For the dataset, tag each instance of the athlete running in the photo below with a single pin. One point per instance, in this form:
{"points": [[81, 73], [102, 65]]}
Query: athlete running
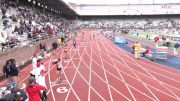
{"points": [[59, 70], [74, 43], [65, 51], [82, 37]]}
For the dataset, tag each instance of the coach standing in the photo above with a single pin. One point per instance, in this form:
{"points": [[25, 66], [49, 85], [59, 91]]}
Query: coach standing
{"points": [[34, 89], [14, 71], [176, 46], [137, 49]]}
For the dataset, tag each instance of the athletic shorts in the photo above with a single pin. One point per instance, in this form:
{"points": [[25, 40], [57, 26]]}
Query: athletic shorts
{"points": [[58, 69]]}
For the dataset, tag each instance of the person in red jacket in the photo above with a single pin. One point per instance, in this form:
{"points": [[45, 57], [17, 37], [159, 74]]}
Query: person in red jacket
{"points": [[33, 90], [156, 39], [146, 51]]}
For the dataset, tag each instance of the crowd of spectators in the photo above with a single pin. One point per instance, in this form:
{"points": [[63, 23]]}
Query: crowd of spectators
{"points": [[23, 23]]}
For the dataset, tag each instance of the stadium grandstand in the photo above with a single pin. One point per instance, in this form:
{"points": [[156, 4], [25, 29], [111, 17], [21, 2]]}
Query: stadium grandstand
{"points": [[89, 50]]}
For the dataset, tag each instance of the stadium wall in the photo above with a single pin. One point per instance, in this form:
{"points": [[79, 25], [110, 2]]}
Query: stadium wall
{"points": [[140, 9]]}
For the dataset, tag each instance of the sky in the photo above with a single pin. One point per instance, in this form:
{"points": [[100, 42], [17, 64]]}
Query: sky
{"points": [[121, 1]]}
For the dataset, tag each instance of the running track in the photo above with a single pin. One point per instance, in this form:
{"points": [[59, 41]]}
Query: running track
{"points": [[97, 70]]}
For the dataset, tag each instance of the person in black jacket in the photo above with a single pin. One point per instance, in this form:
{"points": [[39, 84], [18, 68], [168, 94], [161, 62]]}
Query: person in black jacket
{"points": [[14, 71], [54, 46], [62, 40], [6, 69], [176, 46]]}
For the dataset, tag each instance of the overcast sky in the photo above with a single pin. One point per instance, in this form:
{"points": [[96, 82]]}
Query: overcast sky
{"points": [[121, 1]]}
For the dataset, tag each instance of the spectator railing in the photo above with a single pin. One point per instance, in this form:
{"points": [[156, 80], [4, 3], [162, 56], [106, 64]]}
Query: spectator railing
{"points": [[24, 53], [30, 41]]}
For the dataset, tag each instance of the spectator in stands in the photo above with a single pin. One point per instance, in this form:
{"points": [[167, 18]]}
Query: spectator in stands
{"points": [[176, 46], [146, 51], [16, 94], [137, 49], [43, 48], [58, 41], [3, 40], [34, 89], [62, 40]]}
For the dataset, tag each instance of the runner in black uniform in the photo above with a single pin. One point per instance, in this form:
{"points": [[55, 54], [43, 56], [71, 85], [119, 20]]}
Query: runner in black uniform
{"points": [[74, 43]]}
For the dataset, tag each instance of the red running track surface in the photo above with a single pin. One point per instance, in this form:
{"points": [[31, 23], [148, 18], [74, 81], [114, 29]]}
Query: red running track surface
{"points": [[98, 70]]}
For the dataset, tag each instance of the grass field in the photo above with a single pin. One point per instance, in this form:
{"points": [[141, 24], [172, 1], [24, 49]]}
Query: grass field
{"points": [[142, 37]]}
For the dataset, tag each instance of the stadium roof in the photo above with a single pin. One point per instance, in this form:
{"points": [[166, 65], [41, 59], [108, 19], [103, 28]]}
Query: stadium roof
{"points": [[109, 2]]}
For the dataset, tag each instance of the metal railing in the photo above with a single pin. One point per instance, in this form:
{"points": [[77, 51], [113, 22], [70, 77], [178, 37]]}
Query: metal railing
{"points": [[23, 54]]}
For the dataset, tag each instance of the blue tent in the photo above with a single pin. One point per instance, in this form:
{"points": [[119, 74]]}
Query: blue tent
{"points": [[120, 40]]}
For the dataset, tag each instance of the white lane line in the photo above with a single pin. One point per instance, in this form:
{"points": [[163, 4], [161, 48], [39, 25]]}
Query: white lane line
{"points": [[86, 80], [154, 78], [104, 81], [25, 69], [64, 73], [144, 75], [158, 68], [129, 85], [132, 71], [118, 79], [97, 63], [50, 90], [71, 88], [154, 62], [50, 81], [52, 86], [49, 76], [118, 72], [104, 70], [89, 93], [30, 65], [66, 66], [147, 69], [135, 74], [88, 83]]}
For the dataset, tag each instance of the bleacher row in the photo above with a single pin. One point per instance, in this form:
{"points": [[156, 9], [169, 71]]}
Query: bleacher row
{"points": [[22, 23]]}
